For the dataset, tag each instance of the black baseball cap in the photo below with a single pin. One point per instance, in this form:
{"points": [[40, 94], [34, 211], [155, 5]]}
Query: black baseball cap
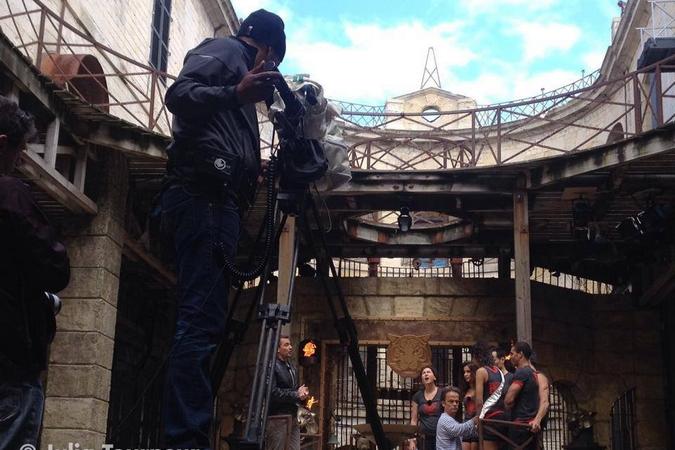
{"points": [[267, 28]]}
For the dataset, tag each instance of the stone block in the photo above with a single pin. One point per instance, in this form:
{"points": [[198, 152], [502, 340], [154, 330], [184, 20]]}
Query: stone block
{"points": [[87, 315], [71, 347], [359, 286], [357, 306], [407, 286], [78, 381], [464, 307], [92, 283], [76, 413], [380, 306], [60, 438], [438, 307], [408, 306], [476, 287], [95, 251]]}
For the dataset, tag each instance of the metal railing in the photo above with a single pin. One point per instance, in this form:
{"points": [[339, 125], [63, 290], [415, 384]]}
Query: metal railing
{"points": [[126, 88], [470, 268], [579, 116], [587, 113]]}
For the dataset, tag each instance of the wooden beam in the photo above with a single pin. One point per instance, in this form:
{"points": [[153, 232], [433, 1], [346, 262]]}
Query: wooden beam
{"points": [[81, 168], [521, 245], [52, 142], [554, 170], [54, 184], [135, 249]]}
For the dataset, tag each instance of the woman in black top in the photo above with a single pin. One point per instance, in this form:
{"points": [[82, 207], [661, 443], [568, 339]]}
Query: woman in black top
{"points": [[426, 408]]}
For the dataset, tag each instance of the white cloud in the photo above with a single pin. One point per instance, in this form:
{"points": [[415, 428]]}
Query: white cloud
{"points": [[593, 60], [512, 84], [539, 39], [377, 61]]}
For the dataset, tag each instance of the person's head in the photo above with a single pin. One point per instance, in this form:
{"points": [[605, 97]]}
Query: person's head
{"points": [[428, 375], [498, 357], [469, 369], [452, 397], [521, 353], [481, 354], [265, 31], [285, 349], [16, 127]]}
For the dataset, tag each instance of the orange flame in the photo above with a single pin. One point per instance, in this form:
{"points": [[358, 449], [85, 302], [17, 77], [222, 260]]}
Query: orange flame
{"points": [[309, 349], [311, 402]]}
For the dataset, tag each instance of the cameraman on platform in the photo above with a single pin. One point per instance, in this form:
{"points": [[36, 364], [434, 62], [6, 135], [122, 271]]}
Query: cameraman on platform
{"points": [[214, 162], [32, 261]]}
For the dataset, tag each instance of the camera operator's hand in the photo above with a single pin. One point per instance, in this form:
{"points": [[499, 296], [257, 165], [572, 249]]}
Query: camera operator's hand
{"points": [[256, 85]]}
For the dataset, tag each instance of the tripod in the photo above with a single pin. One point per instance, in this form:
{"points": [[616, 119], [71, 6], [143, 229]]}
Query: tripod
{"points": [[294, 207]]}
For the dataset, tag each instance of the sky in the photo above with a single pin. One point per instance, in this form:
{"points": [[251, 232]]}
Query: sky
{"points": [[366, 51]]}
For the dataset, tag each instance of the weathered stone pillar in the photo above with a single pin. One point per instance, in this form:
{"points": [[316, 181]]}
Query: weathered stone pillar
{"points": [[81, 357]]}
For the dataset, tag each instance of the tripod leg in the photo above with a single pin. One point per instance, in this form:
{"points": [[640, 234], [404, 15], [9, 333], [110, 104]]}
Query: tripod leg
{"points": [[347, 332], [273, 316]]}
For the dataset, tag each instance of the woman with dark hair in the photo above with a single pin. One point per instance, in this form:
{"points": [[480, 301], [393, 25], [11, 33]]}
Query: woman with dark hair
{"points": [[426, 408], [469, 369]]}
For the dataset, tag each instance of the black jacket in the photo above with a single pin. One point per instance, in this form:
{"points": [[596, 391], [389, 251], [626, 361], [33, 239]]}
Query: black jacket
{"points": [[208, 120], [32, 261], [285, 385]]}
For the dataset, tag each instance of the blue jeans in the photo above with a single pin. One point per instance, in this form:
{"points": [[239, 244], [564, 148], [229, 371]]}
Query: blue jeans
{"points": [[198, 223], [21, 405]]}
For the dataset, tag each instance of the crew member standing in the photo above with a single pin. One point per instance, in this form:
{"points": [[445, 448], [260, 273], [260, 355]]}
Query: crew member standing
{"points": [[214, 161]]}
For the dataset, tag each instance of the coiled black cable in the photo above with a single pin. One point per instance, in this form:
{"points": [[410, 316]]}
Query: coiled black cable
{"points": [[258, 268]]}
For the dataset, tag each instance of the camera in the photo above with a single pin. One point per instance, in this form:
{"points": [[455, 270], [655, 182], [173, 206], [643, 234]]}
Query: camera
{"points": [[54, 302]]}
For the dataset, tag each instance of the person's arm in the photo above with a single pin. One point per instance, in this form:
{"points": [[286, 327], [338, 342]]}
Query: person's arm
{"points": [[204, 85], [514, 390], [453, 429], [544, 404], [481, 378], [413, 413], [39, 252]]}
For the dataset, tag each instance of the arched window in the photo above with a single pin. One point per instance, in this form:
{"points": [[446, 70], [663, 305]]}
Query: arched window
{"points": [[561, 407]]}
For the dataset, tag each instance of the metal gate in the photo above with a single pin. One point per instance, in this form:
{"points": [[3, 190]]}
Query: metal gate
{"points": [[393, 392]]}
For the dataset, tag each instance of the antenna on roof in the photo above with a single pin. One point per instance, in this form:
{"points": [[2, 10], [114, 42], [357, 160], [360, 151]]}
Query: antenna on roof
{"points": [[430, 70]]}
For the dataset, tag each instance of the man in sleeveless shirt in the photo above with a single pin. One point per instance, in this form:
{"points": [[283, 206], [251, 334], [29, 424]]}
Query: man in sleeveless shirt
{"points": [[522, 398]]}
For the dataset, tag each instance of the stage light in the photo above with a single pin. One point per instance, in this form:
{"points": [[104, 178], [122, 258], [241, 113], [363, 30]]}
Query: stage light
{"points": [[404, 220]]}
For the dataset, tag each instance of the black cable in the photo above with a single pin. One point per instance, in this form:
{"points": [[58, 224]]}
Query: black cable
{"points": [[259, 267]]}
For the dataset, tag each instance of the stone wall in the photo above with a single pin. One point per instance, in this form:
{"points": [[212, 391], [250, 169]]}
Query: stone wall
{"points": [[80, 362], [598, 345]]}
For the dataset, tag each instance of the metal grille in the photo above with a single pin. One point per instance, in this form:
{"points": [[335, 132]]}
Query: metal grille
{"points": [[623, 422], [556, 435], [159, 42], [393, 392]]}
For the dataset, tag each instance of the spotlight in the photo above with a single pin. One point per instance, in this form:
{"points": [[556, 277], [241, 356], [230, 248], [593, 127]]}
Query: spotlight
{"points": [[404, 220]]}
